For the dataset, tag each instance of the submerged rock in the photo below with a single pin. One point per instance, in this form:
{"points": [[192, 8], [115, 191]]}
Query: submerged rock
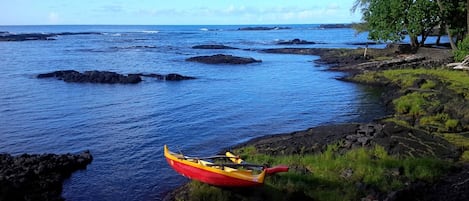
{"points": [[38, 177], [215, 47], [223, 59]]}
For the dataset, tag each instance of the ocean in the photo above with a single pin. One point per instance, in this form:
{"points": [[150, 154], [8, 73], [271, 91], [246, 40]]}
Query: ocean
{"points": [[126, 126]]}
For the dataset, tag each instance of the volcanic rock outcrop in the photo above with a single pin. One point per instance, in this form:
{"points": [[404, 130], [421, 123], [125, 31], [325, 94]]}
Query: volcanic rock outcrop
{"points": [[223, 59]]}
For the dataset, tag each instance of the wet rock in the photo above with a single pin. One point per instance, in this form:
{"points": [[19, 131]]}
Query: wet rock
{"points": [[26, 37], [78, 33], [6, 36], [216, 47], [295, 41], [222, 59], [104, 77], [38, 177], [109, 77], [168, 77], [363, 140]]}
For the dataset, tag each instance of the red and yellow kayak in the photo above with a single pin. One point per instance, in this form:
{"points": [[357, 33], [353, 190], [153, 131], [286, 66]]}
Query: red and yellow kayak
{"points": [[230, 175]]}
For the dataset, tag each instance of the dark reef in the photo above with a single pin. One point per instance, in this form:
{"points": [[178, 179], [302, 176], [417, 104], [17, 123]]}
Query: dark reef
{"points": [[37, 177], [295, 41], [107, 77], [223, 59], [6, 36], [93, 77], [214, 47]]}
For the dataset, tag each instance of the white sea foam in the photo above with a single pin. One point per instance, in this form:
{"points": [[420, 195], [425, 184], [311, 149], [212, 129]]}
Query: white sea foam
{"points": [[150, 31]]}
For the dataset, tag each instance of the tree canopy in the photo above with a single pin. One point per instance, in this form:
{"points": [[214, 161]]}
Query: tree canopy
{"points": [[392, 20]]}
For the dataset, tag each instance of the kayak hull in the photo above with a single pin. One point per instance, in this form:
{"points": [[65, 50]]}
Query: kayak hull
{"points": [[205, 172]]}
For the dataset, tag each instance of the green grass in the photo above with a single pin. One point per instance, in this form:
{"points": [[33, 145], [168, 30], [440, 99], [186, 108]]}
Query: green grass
{"points": [[412, 104], [350, 176], [442, 121], [465, 156], [460, 141], [405, 78], [432, 99], [457, 81], [322, 176]]}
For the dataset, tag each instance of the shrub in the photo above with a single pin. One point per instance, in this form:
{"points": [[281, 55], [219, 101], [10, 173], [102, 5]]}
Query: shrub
{"points": [[463, 50]]}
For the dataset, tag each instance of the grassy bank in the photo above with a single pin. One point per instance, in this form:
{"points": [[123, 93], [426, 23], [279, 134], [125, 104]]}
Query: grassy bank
{"points": [[328, 176], [431, 101], [434, 100]]}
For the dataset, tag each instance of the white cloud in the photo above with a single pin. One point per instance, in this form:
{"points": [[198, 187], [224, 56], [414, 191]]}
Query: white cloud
{"points": [[53, 18], [307, 14], [233, 13], [333, 6]]}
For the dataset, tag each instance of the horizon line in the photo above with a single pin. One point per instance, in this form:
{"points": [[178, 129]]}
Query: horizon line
{"points": [[271, 24]]}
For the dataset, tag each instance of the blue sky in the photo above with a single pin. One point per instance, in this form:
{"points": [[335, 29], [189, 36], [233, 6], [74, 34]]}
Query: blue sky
{"points": [[175, 12]]}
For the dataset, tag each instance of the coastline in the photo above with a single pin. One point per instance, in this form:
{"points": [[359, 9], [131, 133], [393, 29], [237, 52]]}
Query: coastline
{"points": [[374, 131], [379, 132]]}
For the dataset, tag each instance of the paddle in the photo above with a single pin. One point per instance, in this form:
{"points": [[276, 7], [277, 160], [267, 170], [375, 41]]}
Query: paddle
{"points": [[268, 170], [207, 157], [236, 165]]}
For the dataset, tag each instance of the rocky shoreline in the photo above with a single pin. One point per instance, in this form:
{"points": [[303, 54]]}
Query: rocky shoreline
{"points": [[43, 174], [396, 139], [39, 176]]}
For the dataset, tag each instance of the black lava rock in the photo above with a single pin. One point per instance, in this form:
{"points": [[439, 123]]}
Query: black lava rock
{"points": [[222, 59], [38, 177], [295, 41], [215, 47], [93, 77]]}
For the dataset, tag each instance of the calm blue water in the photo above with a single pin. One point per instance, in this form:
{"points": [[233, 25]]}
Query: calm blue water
{"points": [[126, 126]]}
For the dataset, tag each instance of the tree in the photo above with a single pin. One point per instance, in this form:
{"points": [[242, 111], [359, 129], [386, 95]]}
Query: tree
{"points": [[454, 17], [422, 18], [444, 24], [391, 20], [363, 4]]}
